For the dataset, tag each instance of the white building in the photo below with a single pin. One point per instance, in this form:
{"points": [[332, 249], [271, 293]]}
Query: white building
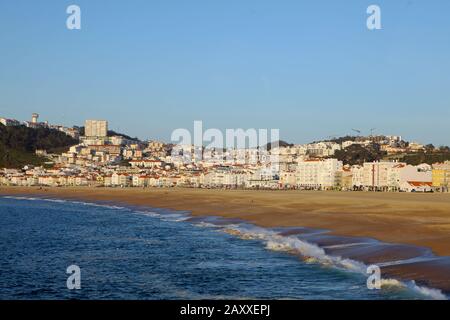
{"points": [[96, 128], [319, 173], [146, 163], [376, 174], [9, 122], [416, 186], [401, 176], [121, 179], [357, 176], [288, 179], [140, 180], [322, 149]]}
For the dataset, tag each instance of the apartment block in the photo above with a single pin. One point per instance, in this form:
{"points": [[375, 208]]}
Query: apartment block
{"points": [[96, 128], [441, 176], [376, 174], [319, 173]]}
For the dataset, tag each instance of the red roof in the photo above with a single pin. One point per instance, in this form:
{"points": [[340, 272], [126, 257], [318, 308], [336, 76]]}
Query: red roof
{"points": [[420, 183]]}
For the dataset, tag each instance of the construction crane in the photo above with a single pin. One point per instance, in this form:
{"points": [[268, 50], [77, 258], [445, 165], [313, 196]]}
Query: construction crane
{"points": [[333, 136], [357, 131], [371, 131]]}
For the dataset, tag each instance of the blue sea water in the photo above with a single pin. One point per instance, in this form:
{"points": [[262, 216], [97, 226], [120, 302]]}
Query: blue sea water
{"points": [[145, 253]]}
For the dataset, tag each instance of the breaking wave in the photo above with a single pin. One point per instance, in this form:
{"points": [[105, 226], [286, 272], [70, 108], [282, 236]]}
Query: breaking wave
{"points": [[311, 253]]}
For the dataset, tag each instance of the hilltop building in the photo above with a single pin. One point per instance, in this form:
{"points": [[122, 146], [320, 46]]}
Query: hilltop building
{"points": [[34, 123], [9, 122], [96, 128]]}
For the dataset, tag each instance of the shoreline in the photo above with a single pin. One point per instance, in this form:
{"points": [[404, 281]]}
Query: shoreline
{"points": [[408, 218], [401, 217]]}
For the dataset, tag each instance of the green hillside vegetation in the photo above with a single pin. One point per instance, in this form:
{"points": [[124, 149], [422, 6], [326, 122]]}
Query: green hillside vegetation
{"points": [[426, 157], [357, 154], [10, 158], [341, 139], [281, 143], [18, 145]]}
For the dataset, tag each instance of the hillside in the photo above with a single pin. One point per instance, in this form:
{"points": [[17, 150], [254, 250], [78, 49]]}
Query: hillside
{"points": [[357, 154], [423, 157], [281, 143], [111, 133], [18, 145]]}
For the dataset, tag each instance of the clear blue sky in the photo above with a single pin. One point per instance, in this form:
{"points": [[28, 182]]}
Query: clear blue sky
{"points": [[309, 68]]}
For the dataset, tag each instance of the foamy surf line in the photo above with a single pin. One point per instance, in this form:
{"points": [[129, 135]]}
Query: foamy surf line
{"points": [[311, 253]]}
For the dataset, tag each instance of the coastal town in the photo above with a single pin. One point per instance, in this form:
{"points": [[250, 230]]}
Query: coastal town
{"points": [[104, 160]]}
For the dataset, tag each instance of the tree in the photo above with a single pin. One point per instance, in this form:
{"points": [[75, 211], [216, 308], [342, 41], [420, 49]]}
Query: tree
{"points": [[358, 154], [429, 148], [19, 143]]}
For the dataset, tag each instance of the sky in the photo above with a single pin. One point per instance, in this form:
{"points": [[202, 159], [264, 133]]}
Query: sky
{"points": [[311, 69]]}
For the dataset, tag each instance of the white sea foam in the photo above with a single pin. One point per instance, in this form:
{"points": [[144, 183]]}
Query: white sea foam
{"points": [[347, 245], [204, 224], [20, 198], [180, 219], [92, 204], [429, 292], [148, 213], [66, 201], [54, 200], [312, 253], [292, 244], [406, 261], [173, 217]]}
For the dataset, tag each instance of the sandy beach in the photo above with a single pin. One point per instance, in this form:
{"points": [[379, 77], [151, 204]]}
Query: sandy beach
{"points": [[418, 219], [403, 218]]}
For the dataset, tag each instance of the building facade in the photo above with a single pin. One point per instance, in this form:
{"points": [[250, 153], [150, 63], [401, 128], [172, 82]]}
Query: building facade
{"points": [[96, 128], [319, 173], [441, 176]]}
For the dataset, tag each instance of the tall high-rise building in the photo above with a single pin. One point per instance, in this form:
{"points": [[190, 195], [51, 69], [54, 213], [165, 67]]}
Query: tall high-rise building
{"points": [[96, 128]]}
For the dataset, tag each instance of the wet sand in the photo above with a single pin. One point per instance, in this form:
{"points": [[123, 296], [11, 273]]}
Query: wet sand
{"points": [[410, 226], [418, 219]]}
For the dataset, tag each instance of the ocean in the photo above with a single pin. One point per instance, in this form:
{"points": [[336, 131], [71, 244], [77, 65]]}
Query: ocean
{"points": [[127, 252]]}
